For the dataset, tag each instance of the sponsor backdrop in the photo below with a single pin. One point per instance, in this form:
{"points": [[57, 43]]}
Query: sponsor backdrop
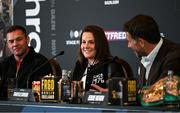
{"points": [[55, 25]]}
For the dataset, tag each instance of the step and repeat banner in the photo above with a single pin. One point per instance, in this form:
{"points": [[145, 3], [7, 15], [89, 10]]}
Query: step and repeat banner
{"points": [[55, 25]]}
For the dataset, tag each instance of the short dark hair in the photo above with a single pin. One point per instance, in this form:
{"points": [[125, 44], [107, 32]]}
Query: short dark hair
{"points": [[143, 26], [101, 43], [16, 27]]}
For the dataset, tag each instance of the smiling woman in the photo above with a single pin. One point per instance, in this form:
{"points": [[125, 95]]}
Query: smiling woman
{"points": [[95, 60]]}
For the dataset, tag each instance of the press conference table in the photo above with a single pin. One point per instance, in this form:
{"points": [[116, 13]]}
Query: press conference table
{"points": [[19, 106]]}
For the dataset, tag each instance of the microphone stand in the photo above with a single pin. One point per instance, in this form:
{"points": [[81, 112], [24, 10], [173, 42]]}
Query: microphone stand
{"points": [[27, 83]]}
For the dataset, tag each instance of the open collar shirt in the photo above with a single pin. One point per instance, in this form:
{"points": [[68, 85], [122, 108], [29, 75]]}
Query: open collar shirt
{"points": [[147, 61]]}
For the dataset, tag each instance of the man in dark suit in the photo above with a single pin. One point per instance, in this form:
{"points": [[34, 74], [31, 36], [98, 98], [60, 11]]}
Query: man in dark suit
{"points": [[157, 55]]}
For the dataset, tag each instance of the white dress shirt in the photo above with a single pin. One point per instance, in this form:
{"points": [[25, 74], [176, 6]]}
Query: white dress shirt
{"points": [[148, 60]]}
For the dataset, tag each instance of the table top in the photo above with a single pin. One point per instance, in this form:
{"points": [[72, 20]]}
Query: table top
{"points": [[41, 106]]}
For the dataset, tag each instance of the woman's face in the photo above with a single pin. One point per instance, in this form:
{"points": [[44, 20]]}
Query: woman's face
{"points": [[88, 46]]}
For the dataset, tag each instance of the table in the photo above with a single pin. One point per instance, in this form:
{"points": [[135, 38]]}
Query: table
{"points": [[22, 107]]}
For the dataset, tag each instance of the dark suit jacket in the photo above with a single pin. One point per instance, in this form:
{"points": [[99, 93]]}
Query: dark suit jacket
{"points": [[168, 58]]}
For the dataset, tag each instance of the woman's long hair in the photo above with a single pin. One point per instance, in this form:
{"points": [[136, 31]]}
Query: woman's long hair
{"points": [[101, 44]]}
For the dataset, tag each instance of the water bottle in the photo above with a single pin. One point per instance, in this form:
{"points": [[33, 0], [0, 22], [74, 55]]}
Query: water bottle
{"points": [[65, 91], [121, 93]]}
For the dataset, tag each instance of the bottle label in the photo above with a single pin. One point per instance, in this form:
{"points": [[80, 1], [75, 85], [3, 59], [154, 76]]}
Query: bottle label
{"points": [[65, 92]]}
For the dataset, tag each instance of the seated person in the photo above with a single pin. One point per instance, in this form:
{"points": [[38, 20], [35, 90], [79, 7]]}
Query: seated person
{"points": [[96, 64], [23, 64], [157, 54]]}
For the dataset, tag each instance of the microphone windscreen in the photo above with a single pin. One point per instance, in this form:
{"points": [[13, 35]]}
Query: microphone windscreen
{"points": [[61, 53]]}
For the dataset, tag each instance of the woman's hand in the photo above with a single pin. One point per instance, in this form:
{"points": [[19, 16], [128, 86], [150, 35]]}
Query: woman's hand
{"points": [[98, 88]]}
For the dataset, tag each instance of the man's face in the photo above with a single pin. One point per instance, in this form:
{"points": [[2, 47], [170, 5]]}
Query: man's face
{"points": [[135, 45], [17, 43]]}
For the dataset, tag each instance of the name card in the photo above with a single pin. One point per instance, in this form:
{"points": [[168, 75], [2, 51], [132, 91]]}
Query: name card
{"points": [[91, 97], [97, 98], [21, 95]]}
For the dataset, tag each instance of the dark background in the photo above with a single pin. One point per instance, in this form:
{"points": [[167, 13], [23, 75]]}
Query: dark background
{"points": [[63, 20]]}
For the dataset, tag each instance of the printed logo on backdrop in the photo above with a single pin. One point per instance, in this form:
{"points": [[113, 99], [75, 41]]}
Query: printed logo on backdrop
{"points": [[74, 36], [115, 35], [111, 2], [119, 35], [53, 27], [33, 20]]}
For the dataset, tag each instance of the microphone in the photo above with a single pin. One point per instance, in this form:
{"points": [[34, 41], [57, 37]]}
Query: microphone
{"points": [[27, 82], [61, 53]]}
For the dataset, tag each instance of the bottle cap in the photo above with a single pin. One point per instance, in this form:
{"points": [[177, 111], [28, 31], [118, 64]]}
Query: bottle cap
{"points": [[170, 72]]}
